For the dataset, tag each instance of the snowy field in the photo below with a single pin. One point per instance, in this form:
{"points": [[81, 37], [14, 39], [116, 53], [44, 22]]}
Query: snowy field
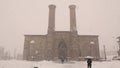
{"points": [[56, 64]]}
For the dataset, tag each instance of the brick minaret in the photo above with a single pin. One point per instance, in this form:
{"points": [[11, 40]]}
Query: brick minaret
{"points": [[50, 36], [51, 24], [73, 19], [73, 30]]}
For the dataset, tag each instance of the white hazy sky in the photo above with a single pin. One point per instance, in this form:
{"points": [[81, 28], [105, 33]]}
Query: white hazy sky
{"points": [[94, 17]]}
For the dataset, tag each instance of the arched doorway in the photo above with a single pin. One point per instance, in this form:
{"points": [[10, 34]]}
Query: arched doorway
{"points": [[62, 50]]}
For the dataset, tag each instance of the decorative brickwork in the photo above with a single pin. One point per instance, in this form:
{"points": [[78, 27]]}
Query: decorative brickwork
{"points": [[57, 44]]}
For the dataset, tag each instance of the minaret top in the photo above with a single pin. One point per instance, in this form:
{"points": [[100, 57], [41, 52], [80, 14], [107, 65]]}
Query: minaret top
{"points": [[72, 6], [52, 6]]}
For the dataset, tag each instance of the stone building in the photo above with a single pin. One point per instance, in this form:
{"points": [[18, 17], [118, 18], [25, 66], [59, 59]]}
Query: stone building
{"points": [[58, 44]]}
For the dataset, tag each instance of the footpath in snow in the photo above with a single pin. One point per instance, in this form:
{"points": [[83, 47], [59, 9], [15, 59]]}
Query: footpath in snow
{"points": [[55, 64]]}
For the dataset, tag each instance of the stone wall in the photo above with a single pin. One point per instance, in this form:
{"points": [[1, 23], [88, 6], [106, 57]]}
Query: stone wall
{"points": [[89, 45], [34, 47]]}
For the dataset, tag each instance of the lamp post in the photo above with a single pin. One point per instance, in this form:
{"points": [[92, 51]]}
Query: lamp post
{"points": [[105, 52], [91, 44]]}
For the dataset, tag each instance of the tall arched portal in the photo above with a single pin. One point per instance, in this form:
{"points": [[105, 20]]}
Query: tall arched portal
{"points": [[62, 50]]}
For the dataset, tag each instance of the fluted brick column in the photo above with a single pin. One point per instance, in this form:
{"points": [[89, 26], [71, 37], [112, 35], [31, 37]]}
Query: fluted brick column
{"points": [[51, 24]]}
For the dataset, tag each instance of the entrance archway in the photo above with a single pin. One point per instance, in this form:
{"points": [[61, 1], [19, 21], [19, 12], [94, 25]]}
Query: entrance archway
{"points": [[62, 50]]}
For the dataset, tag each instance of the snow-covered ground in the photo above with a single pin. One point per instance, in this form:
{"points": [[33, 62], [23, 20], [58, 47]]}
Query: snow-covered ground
{"points": [[56, 64]]}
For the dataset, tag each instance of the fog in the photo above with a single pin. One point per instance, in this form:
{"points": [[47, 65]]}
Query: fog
{"points": [[23, 17]]}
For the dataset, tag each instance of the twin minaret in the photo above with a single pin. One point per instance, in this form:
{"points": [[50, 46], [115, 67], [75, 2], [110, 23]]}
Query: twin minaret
{"points": [[51, 27]]}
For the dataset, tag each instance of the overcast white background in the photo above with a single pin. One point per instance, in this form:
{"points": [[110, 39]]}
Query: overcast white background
{"points": [[94, 17]]}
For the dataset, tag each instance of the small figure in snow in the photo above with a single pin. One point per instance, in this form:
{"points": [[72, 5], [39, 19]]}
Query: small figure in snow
{"points": [[89, 62]]}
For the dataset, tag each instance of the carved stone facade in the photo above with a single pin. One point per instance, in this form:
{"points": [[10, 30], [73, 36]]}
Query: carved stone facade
{"points": [[58, 44]]}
